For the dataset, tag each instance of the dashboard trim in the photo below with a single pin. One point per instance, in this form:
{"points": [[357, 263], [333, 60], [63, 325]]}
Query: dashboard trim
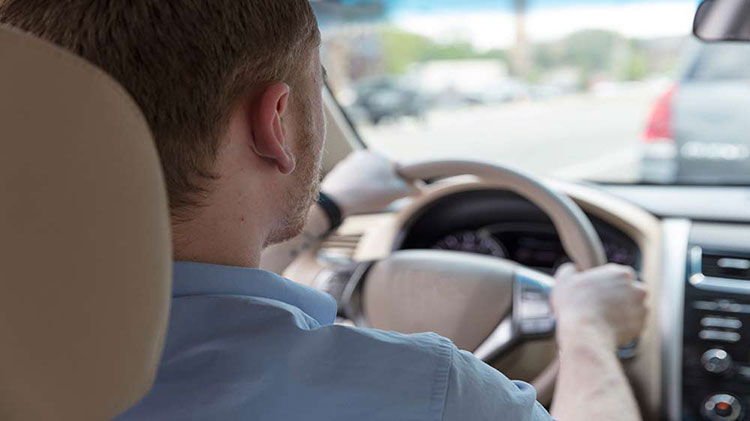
{"points": [[676, 234]]}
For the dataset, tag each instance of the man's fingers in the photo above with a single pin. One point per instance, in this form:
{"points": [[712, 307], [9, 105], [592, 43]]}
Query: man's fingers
{"points": [[611, 271], [641, 290], [566, 270]]}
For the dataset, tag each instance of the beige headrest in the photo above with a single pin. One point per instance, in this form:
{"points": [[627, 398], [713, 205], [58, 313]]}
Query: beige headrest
{"points": [[85, 254]]}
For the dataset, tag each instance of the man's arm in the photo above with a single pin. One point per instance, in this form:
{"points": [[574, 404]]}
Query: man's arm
{"points": [[591, 383], [597, 311]]}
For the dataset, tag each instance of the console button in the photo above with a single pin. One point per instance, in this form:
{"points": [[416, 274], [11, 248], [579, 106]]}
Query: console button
{"points": [[726, 306], [716, 361], [721, 322], [744, 373], [719, 336], [722, 407], [706, 305]]}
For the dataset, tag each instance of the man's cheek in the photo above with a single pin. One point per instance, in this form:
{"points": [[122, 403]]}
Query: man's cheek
{"points": [[323, 115]]}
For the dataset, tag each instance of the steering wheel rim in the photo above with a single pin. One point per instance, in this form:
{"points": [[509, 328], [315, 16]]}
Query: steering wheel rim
{"points": [[577, 234]]}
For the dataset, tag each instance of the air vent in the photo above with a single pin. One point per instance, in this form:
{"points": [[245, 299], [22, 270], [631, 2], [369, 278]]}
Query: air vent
{"points": [[339, 246], [724, 266]]}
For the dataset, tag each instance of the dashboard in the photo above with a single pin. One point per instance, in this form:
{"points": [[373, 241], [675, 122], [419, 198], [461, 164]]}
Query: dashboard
{"points": [[502, 224]]}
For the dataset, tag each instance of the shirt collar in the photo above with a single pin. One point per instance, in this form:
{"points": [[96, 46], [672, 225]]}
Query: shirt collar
{"points": [[191, 279]]}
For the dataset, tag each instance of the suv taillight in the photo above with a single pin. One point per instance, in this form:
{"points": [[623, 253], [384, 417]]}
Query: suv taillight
{"points": [[659, 129]]}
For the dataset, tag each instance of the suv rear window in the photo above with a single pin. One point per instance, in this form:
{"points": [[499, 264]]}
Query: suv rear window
{"points": [[726, 61]]}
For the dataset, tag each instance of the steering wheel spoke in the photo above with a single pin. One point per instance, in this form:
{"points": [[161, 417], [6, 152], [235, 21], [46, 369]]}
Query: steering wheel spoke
{"points": [[531, 316]]}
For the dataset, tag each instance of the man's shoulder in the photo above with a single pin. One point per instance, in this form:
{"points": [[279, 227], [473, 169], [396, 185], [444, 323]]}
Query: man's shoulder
{"points": [[231, 357], [272, 323], [276, 362], [250, 326]]}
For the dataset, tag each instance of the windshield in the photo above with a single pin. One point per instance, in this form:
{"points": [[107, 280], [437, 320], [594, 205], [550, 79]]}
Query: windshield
{"points": [[596, 90]]}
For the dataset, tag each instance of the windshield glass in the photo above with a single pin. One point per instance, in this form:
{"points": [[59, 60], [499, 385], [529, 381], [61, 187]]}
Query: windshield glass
{"points": [[596, 90]]}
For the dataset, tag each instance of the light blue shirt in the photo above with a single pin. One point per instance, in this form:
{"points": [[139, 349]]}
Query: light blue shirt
{"points": [[245, 344]]}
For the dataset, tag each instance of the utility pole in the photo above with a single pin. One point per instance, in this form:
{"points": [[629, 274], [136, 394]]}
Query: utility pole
{"points": [[520, 63]]}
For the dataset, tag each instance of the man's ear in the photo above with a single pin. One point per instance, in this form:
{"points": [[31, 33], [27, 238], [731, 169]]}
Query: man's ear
{"points": [[269, 137]]}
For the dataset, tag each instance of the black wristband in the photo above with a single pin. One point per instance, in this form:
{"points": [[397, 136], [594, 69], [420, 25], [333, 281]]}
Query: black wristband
{"points": [[331, 209]]}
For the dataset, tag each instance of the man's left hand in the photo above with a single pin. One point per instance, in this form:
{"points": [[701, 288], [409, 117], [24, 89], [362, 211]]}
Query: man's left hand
{"points": [[365, 182]]}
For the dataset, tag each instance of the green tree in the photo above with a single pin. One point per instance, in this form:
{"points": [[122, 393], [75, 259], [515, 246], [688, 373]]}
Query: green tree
{"points": [[591, 50], [401, 49]]}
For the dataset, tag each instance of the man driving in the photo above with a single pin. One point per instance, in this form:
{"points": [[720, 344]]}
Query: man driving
{"points": [[232, 92]]}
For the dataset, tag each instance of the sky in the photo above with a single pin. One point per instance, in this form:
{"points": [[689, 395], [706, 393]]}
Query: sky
{"points": [[427, 6], [490, 23], [494, 28]]}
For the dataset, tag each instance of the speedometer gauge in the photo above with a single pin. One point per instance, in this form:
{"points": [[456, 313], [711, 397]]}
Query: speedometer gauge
{"points": [[471, 242]]}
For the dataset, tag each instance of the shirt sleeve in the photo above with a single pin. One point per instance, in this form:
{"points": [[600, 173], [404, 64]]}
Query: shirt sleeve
{"points": [[478, 392]]}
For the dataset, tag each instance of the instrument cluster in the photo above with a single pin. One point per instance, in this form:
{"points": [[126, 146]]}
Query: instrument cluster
{"points": [[531, 244]]}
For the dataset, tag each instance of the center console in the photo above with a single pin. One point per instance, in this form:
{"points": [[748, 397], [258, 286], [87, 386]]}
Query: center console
{"points": [[714, 362]]}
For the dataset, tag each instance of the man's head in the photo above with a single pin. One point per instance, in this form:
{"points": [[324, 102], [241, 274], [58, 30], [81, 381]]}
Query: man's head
{"points": [[230, 88]]}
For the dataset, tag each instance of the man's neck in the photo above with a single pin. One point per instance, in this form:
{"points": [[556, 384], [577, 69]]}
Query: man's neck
{"points": [[221, 236]]}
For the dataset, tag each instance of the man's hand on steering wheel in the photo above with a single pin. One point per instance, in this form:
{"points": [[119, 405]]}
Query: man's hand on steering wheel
{"points": [[365, 182], [597, 311], [606, 301]]}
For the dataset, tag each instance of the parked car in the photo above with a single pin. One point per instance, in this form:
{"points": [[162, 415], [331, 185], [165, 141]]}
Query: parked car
{"points": [[387, 98], [699, 129]]}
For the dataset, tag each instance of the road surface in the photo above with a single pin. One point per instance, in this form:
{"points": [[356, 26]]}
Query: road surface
{"points": [[589, 137]]}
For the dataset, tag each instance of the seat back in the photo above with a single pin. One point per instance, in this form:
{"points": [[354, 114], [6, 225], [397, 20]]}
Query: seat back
{"points": [[85, 249]]}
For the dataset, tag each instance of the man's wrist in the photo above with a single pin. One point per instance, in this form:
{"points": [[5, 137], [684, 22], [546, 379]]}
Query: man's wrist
{"points": [[331, 209], [340, 198], [573, 332]]}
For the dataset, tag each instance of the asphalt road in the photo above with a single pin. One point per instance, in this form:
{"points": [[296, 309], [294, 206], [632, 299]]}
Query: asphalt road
{"points": [[587, 136]]}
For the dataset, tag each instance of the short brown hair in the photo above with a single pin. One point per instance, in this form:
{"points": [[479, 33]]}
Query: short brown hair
{"points": [[186, 63]]}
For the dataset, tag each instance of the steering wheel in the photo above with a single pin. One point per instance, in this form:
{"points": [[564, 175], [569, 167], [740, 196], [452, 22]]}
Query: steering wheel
{"points": [[484, 304]]}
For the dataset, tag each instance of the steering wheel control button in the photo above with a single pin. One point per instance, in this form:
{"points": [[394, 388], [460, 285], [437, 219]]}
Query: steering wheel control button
{"points": [[721, 322], [537, 326], [716, 361], [532, 312], [535, 308], [722, 407], [719, 336]]}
